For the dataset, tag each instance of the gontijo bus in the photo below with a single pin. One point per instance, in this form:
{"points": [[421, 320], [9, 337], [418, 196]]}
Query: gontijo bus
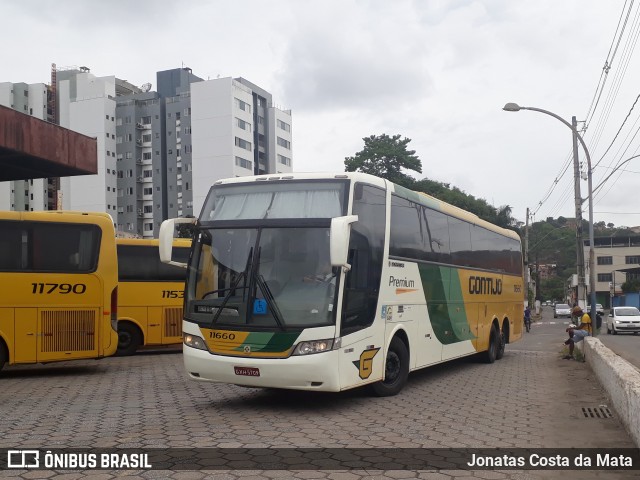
{"points": [[412, 282], [59, 283], [150, 294]]}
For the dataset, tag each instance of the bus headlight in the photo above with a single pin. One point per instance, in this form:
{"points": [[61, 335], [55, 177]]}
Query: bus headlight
{"points": [[316, 346], [194, 341]]}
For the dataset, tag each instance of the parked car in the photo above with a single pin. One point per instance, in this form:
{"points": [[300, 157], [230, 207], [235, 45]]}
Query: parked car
{"points": [[623, 319], [561, 310], [599, 309]]}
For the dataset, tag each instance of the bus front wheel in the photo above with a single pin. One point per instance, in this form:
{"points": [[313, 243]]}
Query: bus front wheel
{"points": [[494, 345], [396, 370], [129, 339]]}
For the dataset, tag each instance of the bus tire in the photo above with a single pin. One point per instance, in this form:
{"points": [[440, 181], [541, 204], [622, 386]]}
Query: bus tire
{"points": [[501, 345], [129, 339], [492, 351], [396, 370], [4, 356]]}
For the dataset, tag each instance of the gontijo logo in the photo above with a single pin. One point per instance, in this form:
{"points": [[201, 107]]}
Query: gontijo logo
{"points": [[485, 286]]}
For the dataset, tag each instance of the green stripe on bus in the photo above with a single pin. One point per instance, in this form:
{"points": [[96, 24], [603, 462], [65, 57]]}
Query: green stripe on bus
{"points": [[443, 294], [269, 342]]}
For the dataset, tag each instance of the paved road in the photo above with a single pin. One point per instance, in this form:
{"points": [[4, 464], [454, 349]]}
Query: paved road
{"points": [[531, 398]]}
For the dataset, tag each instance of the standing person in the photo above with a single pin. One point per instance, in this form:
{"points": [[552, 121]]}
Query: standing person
{"points": [[579, 332], [527, 318]]}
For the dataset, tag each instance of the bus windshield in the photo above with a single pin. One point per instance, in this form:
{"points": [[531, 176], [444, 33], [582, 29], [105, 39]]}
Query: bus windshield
{"points": [[289, 199], [275, 278]]}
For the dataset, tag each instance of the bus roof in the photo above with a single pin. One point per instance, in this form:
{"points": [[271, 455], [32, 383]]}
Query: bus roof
{"points": [[58, 216], [418, 197], [153, 242]]}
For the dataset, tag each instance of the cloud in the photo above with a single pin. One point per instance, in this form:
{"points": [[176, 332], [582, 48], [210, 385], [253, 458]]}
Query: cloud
{"points": [[359, 57]]}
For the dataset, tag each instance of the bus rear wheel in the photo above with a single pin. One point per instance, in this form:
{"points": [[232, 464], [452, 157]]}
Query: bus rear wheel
{"points": [[501, 345], [4, 357], [396, 370], [129, 339]]}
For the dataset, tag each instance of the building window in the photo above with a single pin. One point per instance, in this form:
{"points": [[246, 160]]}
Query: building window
{"points": [[187, 112], [128, 137], [188, 149], [148, 209], [146, 156], [284, 160], [605, 277], [148, 227], [244, 106], [244, 163], [127, 120], [283, 125], [243, 125], [605, 260], [260, 120], [148, 173], [146, 120], [147, 191], [146, 137], [284, 143], [629, 259], [243, 144]]}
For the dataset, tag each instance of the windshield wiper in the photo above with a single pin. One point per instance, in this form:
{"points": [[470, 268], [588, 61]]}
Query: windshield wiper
{"points": [[271, 301], [232, 288]]}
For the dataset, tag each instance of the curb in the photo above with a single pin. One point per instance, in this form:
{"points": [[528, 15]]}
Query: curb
{"points": [[620, 380]]}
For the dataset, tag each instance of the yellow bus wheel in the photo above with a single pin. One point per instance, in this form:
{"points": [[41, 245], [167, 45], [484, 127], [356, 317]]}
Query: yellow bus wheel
{"points": [[129, 339]]}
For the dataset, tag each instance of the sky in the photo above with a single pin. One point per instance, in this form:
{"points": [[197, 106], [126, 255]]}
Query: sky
{"points": [[435, 71]]}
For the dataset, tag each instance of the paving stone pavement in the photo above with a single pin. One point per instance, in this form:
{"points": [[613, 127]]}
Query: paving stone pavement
{"points": [[146, 401]]}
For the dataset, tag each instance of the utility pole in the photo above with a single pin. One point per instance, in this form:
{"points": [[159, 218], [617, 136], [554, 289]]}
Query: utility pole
{"points": [[526, 258], [581, 293]]}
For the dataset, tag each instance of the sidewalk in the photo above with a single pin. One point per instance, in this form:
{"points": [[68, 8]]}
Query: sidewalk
{"points": [[573, 408]]}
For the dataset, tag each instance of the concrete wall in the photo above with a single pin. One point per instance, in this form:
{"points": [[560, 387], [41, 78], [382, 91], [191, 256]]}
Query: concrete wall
{"points": [[621, 381]]}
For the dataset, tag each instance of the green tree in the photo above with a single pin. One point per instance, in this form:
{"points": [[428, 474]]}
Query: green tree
{"points": [[631, 286], [385, 156]]}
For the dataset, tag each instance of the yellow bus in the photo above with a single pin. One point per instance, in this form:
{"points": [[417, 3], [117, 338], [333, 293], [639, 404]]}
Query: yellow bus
{"points": [[334, 281], [59, 283], [150, 295]]}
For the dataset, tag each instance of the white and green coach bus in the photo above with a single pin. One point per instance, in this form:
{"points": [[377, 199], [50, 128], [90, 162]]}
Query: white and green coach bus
{"points": [[333, 281]]}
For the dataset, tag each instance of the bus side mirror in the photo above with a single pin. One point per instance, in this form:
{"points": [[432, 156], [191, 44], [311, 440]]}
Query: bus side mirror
{"points": [[339, 240], [165, 246]]}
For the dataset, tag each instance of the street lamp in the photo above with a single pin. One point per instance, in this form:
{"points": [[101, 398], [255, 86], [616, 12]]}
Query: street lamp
{"points": [[514, 107]]}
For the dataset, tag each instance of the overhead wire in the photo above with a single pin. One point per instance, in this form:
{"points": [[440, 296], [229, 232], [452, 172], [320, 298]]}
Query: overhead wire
{"points": [[618, 34]]}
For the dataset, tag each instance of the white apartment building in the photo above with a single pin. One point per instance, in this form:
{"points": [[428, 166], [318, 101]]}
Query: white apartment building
{"points": [[236, 131], [25, 195], [86, 104]]}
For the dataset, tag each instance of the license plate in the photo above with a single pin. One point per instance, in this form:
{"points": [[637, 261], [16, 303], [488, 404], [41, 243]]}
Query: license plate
{"points": [[247, 371]]}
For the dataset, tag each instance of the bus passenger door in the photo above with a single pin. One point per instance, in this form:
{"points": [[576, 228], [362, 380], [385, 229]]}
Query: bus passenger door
{"points": [[26, 334]]}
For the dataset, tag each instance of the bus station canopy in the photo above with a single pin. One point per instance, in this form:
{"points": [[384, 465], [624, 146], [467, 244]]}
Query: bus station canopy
{"points": [[33, 148]]}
